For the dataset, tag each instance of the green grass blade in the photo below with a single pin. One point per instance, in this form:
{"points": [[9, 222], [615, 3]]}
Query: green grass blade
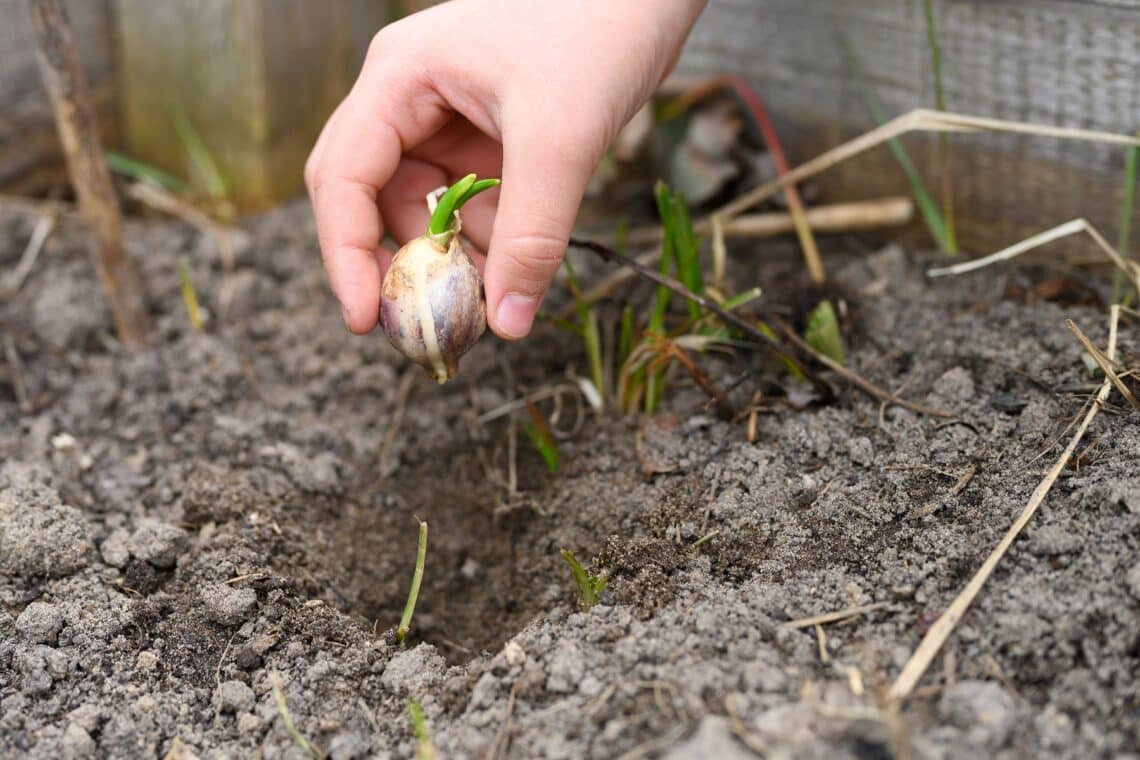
{"points": [[417, 578], [189, 296], [589, 586], [425, 749], [944, 161], [823, 333], [201, 159], [926, 205], [1124, 240], [135, 169], [625, 335], [440, 221]]}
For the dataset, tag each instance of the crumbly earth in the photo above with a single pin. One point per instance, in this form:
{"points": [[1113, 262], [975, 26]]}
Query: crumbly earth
{"points": [[185, 527]]}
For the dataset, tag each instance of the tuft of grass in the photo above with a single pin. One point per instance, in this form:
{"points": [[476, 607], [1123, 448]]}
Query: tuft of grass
{"points": [[1123, 241], [538, 431], [190, 296], [944, 162], [822, 332], [926, 205], [414, 592], [590, 587], [139, 170], [425, 749]]}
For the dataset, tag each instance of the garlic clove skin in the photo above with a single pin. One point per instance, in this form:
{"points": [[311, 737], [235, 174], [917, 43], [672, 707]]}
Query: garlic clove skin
{"points": [[432, 306]]}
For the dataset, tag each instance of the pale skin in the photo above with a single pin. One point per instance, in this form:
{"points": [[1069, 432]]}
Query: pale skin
{"points": [[531, 91]]}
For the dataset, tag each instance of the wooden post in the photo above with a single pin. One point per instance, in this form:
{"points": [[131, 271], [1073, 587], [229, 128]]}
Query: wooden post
{"points": [[75, 121]]}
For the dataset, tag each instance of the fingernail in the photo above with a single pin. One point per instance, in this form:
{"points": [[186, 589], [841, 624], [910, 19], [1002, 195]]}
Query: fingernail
{"points": [[516, 314], [344, 314]]}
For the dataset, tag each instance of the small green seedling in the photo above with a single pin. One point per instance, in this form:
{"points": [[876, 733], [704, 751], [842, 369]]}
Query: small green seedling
{"points": [[538, 431], [425, 749], [414, 593], [190, 296], [1129, 200], [590, 587], [822, 332]]}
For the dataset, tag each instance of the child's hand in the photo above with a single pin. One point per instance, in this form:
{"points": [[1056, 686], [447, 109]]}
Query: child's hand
{"points": [[528, 90]]}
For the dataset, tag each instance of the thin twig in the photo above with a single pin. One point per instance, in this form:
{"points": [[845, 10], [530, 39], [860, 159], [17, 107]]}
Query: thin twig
{"points": [[66, 85], [384, 466], [1106, 365], [935, 637], [856, 379], [831, 617], [15, 366], [27, 263]]}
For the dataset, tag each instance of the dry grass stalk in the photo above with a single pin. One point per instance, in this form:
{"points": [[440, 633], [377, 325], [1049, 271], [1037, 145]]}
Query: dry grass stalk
{"points": [[75, 120], [836, 217], [1130, 268], [932, 642], [831, 617], [40, 233], [922, 120], [1108, 366]]}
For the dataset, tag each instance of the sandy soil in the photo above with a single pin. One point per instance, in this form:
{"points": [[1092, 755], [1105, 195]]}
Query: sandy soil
{"points": [[183, 527]]}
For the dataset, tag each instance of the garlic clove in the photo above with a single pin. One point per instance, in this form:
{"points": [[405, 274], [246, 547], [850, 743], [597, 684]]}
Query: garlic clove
{"points": [[432, 305]]}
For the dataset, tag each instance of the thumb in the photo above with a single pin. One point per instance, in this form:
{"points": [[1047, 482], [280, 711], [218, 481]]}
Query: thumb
{"points": [[544, 179]]}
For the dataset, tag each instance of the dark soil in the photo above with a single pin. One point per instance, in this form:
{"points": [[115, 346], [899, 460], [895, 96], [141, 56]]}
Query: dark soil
{"points": [[183, 527]]}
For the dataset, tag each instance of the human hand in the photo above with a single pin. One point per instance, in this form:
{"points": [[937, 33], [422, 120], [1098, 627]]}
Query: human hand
{"points": [[530, 91]]}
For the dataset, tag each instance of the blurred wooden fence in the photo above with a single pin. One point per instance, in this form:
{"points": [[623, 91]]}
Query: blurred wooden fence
{"points": [[1070, 63], [257, 78]]}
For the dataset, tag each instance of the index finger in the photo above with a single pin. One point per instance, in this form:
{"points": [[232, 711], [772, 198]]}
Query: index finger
{"points": [[360, 152]]}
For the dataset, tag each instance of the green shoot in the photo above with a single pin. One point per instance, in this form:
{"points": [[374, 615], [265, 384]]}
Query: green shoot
{"points": [[679, 226], [1130, 178], [287, 720], [930, 213], [789, 366], [621, 234], [414, 592], [822, 332], [588, 328], [138, 170], [201, 160], [589, 586], [705, 539], [189, 296], [540, 436], [442, 222], [425, 749], [944, 164], [625, 335]]}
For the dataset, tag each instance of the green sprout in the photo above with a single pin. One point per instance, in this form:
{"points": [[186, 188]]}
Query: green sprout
{"points": [[590, 587], [538, 431], [588, 329], [1130, 171], [822, 332], [414, 592], [944, 162], [189, 296], [442, 226], [425, 749]]}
